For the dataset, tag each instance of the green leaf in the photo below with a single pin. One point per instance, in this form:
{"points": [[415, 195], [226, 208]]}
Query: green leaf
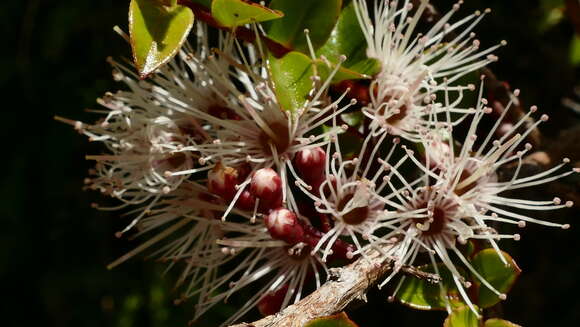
{"points": [[424, 295], [232, 13], [319, 17], [291, 79], [575, 51], [348, 39], [462, 317], [337, 320], [501, 276], [342, 74], [494, 322], [157, 32]]}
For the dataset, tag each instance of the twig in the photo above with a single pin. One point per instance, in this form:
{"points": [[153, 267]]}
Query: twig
{"points": [[345, 285], [429, 277]]}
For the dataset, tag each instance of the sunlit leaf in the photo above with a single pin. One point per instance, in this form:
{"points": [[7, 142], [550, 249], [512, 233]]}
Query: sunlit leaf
{"points": [[462, 317], [157, 32], [337, 320], [291, 78], [494, 322], [501, 276], [231, 13], [319, 17], [348, 39]]}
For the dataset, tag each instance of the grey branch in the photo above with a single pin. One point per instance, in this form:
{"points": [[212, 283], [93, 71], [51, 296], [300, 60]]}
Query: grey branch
{"points": [[345, 285]]}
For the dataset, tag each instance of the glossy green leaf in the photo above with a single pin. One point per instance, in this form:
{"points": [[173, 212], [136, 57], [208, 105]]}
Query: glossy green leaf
{"points": [[348, 39], [319, 17], [342, 74], [291, 79], [232, 13], [337, 320], [424, 295], [157, 32], [494, 322], [501, 276], [462, 317]]}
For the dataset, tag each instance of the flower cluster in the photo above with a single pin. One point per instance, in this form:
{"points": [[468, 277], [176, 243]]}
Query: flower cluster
{"points": [[241, 193]]}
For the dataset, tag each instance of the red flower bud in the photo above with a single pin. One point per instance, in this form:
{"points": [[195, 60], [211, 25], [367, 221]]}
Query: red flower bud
{"points": [[246, 201], [222, 181], [267, 186], [284, 225], [272, 302], [310, 164]]}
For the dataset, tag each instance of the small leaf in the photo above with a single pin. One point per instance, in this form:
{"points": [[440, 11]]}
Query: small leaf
{"points": [[575, 51], [157, 32], [348, 39], [337, 320], [291, 78], [489, 265], [342, 74], [462, 317], [318, 16], [423, 295], [232, 13], [494, 322]]}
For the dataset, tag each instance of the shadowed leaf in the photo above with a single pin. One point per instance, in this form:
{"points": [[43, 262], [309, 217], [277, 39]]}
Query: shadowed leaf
{"points": [[424, 295], [348, 39], [337, 320], [319, 17], [501, 276]]}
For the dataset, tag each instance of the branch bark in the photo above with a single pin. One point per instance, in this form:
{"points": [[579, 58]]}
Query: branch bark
{"points": [[344, 285]]}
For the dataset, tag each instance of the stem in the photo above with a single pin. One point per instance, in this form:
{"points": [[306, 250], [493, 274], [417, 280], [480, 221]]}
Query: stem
{"points": [[344, 285]]}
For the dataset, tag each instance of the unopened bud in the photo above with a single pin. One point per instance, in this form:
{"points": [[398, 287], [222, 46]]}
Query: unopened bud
{"points": [[272, 302], [222, 181], [246, 201], [267, 186], [310, 164], [284, 225]]}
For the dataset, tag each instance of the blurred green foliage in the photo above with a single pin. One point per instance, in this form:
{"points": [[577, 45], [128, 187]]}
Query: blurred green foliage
{"points": [[54, 246]]}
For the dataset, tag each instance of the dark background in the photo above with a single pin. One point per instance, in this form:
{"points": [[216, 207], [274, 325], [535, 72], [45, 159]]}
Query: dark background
{"points": [[54, 246]]}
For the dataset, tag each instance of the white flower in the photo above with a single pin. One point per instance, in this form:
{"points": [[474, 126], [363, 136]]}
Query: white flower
{"points": [[461, 194], [350, 193], [414, 65], [275, 264], [259, 133]]}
